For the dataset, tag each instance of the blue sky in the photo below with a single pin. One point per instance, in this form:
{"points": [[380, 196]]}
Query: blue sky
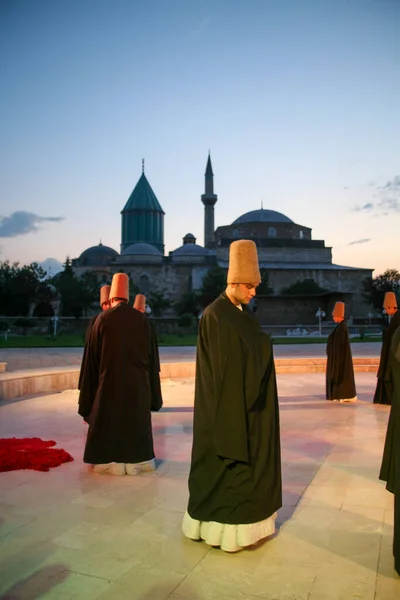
{"points": [[297, 100]]}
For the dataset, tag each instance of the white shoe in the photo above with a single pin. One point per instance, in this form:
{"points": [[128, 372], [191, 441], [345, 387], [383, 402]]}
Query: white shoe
{"points": [[142, 467], [349, 399], [110, 469]]}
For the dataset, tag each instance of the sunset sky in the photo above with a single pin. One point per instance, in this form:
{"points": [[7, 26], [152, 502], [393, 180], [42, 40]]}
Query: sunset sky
{"points": [[297, 100]]}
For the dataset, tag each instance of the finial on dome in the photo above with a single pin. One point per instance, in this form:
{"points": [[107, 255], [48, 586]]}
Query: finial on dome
{"points": [[142, 165]]}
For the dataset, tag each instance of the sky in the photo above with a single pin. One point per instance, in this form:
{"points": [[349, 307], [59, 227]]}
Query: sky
{"points": [[297, 101]]}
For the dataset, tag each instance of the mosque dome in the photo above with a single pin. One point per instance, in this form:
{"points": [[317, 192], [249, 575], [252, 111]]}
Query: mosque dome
{"points": [[190, 249], [262, 216], [142, 248], [140, 252], [189, 239], [97, 256]]}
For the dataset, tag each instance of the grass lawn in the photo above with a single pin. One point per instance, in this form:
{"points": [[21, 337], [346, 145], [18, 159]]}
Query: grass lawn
{"points": [[76, 341]]}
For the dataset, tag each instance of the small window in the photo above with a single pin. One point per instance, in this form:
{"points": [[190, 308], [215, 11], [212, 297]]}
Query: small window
{"points": [[301, 234], [271, 232]]}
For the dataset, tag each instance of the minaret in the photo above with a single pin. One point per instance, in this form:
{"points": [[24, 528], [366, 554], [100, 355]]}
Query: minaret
{"points": [[209, 199]]}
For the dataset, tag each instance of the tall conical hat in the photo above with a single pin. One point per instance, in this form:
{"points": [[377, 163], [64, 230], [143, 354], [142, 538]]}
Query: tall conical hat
{"points": [[390, 300], [140, 302], [243, 262], [338, 310], [104, 294], [120, 286]]}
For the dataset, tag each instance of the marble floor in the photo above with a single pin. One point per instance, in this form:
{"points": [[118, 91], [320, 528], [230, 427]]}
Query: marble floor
{"points": [[72, 534]]}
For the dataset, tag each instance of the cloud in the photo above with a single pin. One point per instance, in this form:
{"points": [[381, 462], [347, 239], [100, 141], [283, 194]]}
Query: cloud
{"points": [[362, 241], [392, 184], [364, 208], [390, 204], [22, 222], [388, 196], [386, 199]]}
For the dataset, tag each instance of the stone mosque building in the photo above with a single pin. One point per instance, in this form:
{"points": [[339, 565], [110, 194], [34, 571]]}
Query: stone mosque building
{"points": [[286, 251]]}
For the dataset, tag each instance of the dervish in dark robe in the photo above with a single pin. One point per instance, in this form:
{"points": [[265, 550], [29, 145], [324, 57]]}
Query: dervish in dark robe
{"points": [[235, 474], [340, 383], [85, 348], [115, 394], [155, 369], [384, 386], [390, 469]]}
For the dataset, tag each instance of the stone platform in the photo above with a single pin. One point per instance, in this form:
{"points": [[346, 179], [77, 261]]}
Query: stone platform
{"points": [[72, 534], [59, 368]]}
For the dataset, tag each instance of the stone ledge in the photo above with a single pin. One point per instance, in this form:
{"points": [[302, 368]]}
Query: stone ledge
{"points": [[35, 381]]}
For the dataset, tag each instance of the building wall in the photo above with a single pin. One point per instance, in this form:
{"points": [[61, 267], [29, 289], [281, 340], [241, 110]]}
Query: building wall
{"points": [[285, 255]]}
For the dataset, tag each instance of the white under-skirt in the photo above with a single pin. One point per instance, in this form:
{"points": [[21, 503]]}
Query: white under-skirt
{"points": [[230, 538], [342, 400]]}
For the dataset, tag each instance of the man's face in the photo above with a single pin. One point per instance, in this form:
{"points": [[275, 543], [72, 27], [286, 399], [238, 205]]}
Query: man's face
{"points": [[390, 310], [244, 292], [105, 305]]}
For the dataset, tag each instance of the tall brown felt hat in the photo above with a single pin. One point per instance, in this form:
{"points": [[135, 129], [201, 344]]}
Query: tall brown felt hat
{"points": [[120, 286], [338, 310], [243, 262], [104, 294], [390, 300], [140, 302]]}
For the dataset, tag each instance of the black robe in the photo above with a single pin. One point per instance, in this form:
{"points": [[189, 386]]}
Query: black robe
{"points": [[384, 386], [235, 474], [390, 469], [340, 383], [115, 396], [84, 356]]}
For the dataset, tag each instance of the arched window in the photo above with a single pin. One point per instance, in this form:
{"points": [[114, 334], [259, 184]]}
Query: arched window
{"points": [[144, 284], [271, 232], [236, 233], [301, 234]]}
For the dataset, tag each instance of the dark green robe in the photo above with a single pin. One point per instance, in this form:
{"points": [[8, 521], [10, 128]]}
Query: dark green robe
{"points": [[235, 474], [115, 395], [390, 469], [340, 383], [384, 386]]}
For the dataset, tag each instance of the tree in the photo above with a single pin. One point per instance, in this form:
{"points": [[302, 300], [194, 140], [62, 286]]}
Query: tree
{"points": [[264, 289], [306, 287], [70, 289], [374, 289], [214, 283], [18, 287], [189, 304], [158, 302]]}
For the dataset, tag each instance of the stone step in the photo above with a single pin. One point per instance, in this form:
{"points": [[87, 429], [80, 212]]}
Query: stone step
{"points": [[16, 384]]}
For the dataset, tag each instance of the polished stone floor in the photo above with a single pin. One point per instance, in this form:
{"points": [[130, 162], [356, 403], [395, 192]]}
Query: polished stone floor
{"points": [[72, 534]]}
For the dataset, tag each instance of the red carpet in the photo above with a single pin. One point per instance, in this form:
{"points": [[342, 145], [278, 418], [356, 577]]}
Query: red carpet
{"points": [[30, 453]]}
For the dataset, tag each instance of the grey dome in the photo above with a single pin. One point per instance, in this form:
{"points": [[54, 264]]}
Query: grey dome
{"points": [[142, 248], [190, 250], [189, 239], [97, 256], [262, 216]]}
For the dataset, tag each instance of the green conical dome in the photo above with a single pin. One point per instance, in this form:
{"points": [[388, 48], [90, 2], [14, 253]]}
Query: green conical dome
{"points": [[143, 197], [142, 217]]}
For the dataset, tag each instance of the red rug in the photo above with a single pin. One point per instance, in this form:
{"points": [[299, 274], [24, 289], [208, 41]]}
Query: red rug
{"points": [[30, 453]]}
